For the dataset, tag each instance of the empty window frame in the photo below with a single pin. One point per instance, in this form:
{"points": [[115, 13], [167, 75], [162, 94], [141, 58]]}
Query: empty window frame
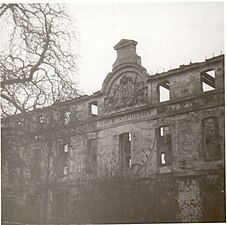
{"points": [[94, 108], [36, 164], [62, 160], [211, 139], [42, 118], [19, 123], [38, 137], [163, 90], [162, 159], [91, 156], [66, 148], [208, 80], [164, 146], [125, 141], [65, 170], [66, 117]]}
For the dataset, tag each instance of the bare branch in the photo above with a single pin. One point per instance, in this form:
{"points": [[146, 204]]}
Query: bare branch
{"points": [[38, 67]]}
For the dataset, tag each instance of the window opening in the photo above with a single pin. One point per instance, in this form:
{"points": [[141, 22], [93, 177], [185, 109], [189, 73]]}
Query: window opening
{"points": [[94, 108], [164, 91], [125, 140], [66, 148], [41, 118], [37, 137], [35, 164], [130, 162], [66, 117], [91, 156], [65, 170], [130, 137], [208, 80], [63, 155], [163, 161], [19, 123], [164, 146], [211, 138]]}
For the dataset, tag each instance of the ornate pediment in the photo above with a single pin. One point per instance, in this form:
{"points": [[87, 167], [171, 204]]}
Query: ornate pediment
{"points": [[126, 91]]}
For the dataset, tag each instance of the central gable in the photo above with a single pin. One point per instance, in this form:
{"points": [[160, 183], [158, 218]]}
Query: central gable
{"points": [[126, 85]]}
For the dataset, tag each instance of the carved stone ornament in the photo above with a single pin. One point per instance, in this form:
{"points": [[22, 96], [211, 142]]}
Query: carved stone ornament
{"points": [[128, 90]]}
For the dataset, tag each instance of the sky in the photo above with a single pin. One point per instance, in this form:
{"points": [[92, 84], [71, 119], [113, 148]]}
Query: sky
{"points": [[168, 35]]}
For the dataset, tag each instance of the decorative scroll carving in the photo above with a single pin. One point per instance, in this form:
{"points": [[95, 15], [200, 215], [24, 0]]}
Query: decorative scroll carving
{"points": [[129, 90]]}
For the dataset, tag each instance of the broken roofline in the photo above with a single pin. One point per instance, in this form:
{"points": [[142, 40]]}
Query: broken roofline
{"points": [[180, 69], [183, 68]]}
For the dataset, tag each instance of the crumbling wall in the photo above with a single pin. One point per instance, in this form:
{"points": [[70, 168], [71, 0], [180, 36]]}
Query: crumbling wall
{"points": [[143, 147], [189, 200], [186, 81], [185, 185]]}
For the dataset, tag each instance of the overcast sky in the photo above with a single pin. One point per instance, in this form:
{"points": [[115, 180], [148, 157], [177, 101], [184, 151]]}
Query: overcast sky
{"points": [[168, 35]]}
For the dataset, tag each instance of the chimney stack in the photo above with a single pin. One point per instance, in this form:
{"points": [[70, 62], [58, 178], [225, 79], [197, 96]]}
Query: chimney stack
{"points": [[126, 53]]}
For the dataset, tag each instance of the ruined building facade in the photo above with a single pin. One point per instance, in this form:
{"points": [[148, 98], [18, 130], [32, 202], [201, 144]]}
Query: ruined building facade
{"points": [[145, 148]]}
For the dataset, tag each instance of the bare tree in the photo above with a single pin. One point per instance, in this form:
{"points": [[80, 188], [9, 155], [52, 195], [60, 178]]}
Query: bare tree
{"points": [[37, 65], [29, 163]]}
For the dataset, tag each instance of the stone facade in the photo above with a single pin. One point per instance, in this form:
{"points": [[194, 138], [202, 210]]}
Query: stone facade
{"points": [[174, 148]]}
